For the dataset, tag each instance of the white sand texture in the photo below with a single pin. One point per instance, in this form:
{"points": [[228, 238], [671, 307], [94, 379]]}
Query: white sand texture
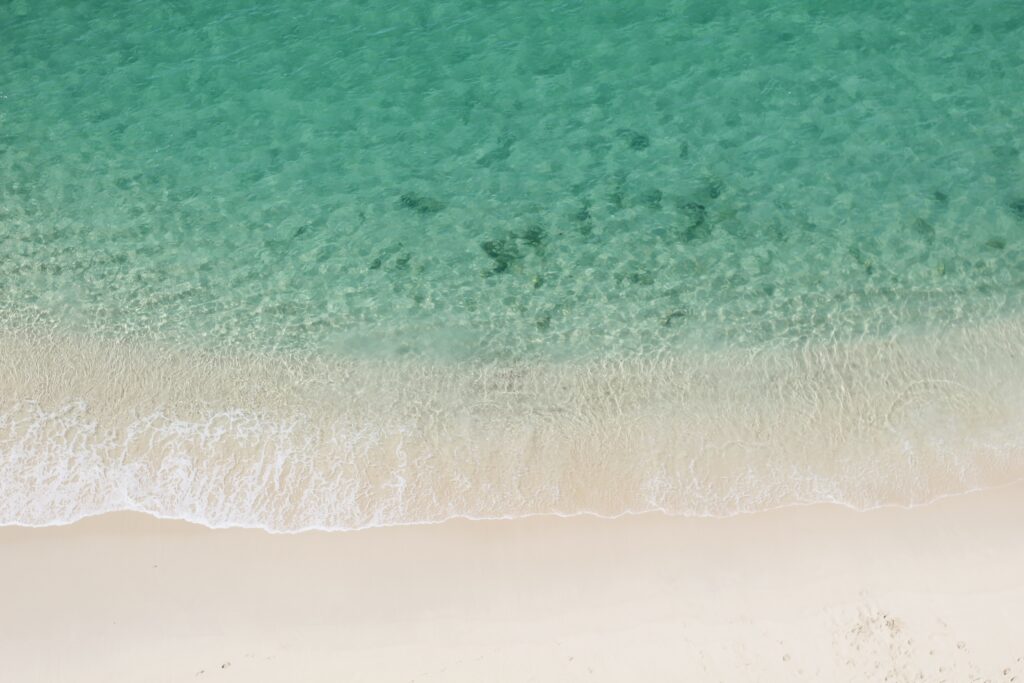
{"points": [[815, 593]]}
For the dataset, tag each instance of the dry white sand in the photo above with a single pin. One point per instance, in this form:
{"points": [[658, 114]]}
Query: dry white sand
{"points": [[816, 593]]}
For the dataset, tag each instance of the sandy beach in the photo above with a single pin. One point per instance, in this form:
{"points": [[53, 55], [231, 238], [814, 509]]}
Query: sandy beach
{"points": [[497, 342], [812, 593]]}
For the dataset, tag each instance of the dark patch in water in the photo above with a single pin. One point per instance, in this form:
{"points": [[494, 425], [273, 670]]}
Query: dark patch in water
{"points": [[504, 252], [617, 199], [651, 198], [864, 260], [384, 255], [533, 236], [499, 153], [310, 226], [639, 277], [1017, 208], [714, 188], [129, 182], [676, 316], [421, 204], [695, 217], [635, 139], [923, 229], [495, 155], [582, 217]]}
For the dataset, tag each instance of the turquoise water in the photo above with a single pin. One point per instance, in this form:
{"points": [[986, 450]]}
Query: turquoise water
{"points": [[493, 180], [337, 264]]}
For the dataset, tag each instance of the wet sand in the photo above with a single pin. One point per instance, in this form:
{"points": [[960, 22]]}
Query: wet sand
{"points": [[289, 443], [803, 593]]}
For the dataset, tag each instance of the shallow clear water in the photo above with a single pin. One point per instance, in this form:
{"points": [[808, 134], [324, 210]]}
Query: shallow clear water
{"points": [[345, 263], [502, 180]]}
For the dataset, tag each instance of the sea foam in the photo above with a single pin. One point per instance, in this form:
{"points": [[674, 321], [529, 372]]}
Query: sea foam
{"points": [[291, 442]]}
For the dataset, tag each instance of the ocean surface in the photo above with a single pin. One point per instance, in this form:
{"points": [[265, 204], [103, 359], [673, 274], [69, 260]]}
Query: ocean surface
{"points": [[336, 264]]}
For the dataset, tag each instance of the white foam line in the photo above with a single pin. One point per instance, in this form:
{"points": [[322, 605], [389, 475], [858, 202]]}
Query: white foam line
{"points": [[530, 515], [284, 444]]}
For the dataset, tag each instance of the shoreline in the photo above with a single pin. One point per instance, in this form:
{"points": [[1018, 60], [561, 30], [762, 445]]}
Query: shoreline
{"points": [[810, 593], [581, 514], [88, 427]]}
